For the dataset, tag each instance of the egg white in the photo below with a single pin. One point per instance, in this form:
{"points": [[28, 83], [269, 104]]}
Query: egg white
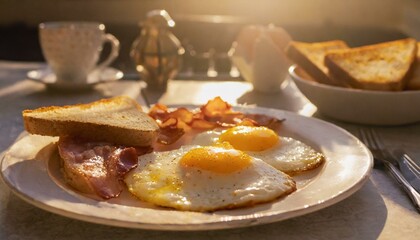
{"points": [[161, 180], [288, 155]]}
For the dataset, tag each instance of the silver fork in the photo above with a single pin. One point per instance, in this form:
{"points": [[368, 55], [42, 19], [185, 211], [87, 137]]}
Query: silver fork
{"points": [[408, 167], [381, 154]]}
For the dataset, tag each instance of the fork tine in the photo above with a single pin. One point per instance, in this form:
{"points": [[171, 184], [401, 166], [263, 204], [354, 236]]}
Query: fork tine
{"points": [[363, 135], [368, 139], [412, 163], [381, 146], [376, 139]]}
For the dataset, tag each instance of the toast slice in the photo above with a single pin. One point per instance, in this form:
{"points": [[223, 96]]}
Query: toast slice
{"points": [[310, 57], [118, 120], [383, 66], [414, 81]]}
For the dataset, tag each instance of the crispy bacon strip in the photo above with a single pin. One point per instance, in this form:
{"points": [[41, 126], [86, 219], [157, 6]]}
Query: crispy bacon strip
{"points": [[203, 124], [159, 112], [182, 114], [264, 120], [215, 113], [228, 119], [216, 107], [170, 135]]}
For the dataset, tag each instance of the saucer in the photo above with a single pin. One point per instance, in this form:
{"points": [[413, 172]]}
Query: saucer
{"points": [[47, 77]]}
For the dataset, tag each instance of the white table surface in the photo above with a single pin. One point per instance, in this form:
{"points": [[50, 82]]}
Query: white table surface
{"points": [[380, 209]]}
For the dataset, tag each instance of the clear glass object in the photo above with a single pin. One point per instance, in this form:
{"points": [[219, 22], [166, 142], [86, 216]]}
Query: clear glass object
{"points": [[157, 52]]}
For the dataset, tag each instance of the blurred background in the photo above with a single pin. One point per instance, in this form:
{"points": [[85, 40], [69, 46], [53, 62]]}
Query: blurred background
{"points": [[208, 28]]}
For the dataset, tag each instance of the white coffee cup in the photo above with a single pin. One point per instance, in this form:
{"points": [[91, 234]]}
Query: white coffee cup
{"points": [[72, 49]]}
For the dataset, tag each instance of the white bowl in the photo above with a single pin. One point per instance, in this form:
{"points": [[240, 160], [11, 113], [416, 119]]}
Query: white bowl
{"points": [[359, 106]]}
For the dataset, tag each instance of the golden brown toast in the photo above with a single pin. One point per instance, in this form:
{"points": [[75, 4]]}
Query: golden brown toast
{"points": [[118, 120], [310, 57], [384, 66]]}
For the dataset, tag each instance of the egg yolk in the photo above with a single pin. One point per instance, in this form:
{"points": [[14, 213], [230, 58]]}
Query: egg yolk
{"points": [[249, 138], [217, 159]]}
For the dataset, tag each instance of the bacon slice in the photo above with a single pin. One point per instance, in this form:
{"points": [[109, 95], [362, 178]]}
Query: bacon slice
{"points": [[263, 120], [96, 167], [169, 135], [215, 107], [215, 113]]}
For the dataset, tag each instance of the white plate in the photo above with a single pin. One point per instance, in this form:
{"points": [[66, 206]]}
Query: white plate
{"points": [[348, 164], [47, 77]]}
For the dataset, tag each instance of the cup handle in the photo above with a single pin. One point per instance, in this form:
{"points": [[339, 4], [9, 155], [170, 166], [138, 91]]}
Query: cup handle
{"points": [[115, 49]]}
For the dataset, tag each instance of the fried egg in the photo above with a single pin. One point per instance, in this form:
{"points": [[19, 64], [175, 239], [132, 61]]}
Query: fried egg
{"points": [[209, 178], [283, 153]]}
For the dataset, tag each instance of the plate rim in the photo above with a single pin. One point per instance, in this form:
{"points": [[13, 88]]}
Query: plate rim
{"points": [[235, 221]]}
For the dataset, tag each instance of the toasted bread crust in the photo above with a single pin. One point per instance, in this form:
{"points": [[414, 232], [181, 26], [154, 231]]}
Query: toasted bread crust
{"points": [[117, 120], [116, 101], [384, 66], [310, 56]]}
